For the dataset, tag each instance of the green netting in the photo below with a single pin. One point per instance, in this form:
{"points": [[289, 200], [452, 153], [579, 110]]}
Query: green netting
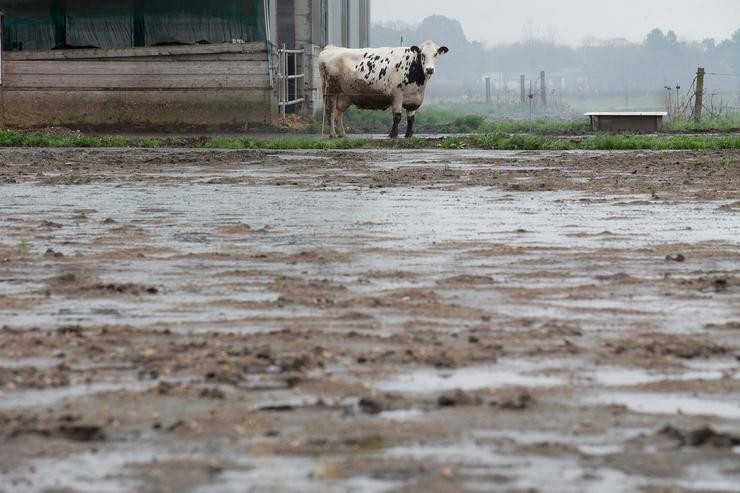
{"points": [[60, 24]]}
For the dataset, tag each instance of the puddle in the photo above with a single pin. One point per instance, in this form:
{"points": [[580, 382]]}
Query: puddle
{"points": [[618, 377], [419, 216], [47, 397], [293, 474], [34, 362], [669, 404], [537, 373], [402, 415], [427, 380], [592, 260], [120, 468], [485, 468], [363, 222], [593, 445]]}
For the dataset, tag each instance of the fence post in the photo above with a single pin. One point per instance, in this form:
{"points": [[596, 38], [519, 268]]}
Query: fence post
{"points": [[543, 89], [523, 97], [699, 95], [283, 80], [488, 90]]}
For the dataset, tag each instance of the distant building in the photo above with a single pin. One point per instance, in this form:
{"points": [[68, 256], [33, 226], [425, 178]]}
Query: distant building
{"points": [[164, 64]]}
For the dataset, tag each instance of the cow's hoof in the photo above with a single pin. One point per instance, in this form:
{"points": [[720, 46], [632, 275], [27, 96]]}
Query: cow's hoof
{"points": [[408, 136], [391, 136]]}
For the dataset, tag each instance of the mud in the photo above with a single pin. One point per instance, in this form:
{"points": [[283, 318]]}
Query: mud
{"points": [[187, 320]]}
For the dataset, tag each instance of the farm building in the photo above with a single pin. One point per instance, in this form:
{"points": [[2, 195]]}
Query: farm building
{"points": [[166, 64]]}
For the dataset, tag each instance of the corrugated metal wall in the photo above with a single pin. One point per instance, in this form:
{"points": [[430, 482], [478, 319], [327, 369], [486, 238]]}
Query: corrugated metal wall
{"points": [[347, 23]]}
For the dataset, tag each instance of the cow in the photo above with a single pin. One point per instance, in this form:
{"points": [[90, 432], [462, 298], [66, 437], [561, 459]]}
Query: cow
{"points": [[376, 79]]}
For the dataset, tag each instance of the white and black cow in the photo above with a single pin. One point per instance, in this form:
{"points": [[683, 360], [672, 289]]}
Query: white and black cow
{"points": [[377, 79]]}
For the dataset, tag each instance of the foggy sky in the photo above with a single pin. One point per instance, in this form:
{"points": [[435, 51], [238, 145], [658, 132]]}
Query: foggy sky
{"points": [[571, 21]]}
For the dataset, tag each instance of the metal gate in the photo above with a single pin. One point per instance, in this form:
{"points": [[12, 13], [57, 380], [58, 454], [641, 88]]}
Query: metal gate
{"points": [[291, 80]]}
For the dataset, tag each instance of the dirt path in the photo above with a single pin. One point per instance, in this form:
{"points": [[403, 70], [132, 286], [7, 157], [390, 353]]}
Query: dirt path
{"points": [[187, 320]]}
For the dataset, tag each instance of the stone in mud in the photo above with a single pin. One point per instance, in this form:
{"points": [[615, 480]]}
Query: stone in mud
{"points": [[295, 363], [370, 405], [514, 402], [225, 376], [700, 437], [683, 347], [458, 398], [212, 393], [127, 288], [65, 279], [82, 433], [677, 258], [177, 425], [46, 224]]}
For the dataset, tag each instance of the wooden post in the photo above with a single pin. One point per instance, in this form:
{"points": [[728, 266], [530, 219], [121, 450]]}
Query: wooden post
{"points": [[543, 89], [523, 98], [699, 95], [488, 90]]}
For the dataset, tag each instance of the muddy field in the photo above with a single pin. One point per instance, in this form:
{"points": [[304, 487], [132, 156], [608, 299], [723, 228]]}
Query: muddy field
{"points": [[371, 321]]}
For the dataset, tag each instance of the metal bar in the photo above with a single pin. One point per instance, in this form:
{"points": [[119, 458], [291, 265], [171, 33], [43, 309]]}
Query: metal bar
{"points": [[290, 103], [290, 82], [303, 69], [284, 85], [294, 79]]}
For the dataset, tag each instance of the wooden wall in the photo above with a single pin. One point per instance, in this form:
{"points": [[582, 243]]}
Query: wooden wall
{"points": [[227, 85]]}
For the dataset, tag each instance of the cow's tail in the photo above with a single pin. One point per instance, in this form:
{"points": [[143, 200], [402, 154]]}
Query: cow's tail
{"points": [[324, 85]]}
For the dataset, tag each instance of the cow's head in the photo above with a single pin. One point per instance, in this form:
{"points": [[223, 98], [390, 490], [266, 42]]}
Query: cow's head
{"points": [[428, 53]]}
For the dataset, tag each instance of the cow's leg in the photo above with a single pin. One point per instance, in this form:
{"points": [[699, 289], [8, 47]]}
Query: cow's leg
{"points": [[331, 109], [396, 108], [396, 122], [342, 131], [336, 115], [342, 106], [410, 116]]}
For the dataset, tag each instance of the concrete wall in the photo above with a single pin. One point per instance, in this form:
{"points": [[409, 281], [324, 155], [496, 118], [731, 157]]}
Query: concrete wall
{"points": [[163, 88]]}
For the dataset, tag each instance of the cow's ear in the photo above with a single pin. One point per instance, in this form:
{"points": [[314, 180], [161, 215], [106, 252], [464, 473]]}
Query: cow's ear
{"points": [[415, 49], [442, 50]]}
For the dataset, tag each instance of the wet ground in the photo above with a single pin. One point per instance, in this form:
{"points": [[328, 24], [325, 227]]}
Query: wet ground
{"points": [[406, 321]]}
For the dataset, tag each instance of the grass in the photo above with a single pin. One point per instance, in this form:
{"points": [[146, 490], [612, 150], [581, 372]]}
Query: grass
{"points": [[15, 138], [523, 142], [151, 143], [440, 119], [428, 120], [548, 127], [716, 124], [606, 142], [507, 142], [24, 247], [486, 139]]}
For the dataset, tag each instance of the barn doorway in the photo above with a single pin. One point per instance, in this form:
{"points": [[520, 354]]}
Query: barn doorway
{"points": [[288, 66]]}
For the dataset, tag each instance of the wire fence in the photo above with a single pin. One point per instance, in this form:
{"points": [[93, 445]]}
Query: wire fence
{"points": [[578, 92]]}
